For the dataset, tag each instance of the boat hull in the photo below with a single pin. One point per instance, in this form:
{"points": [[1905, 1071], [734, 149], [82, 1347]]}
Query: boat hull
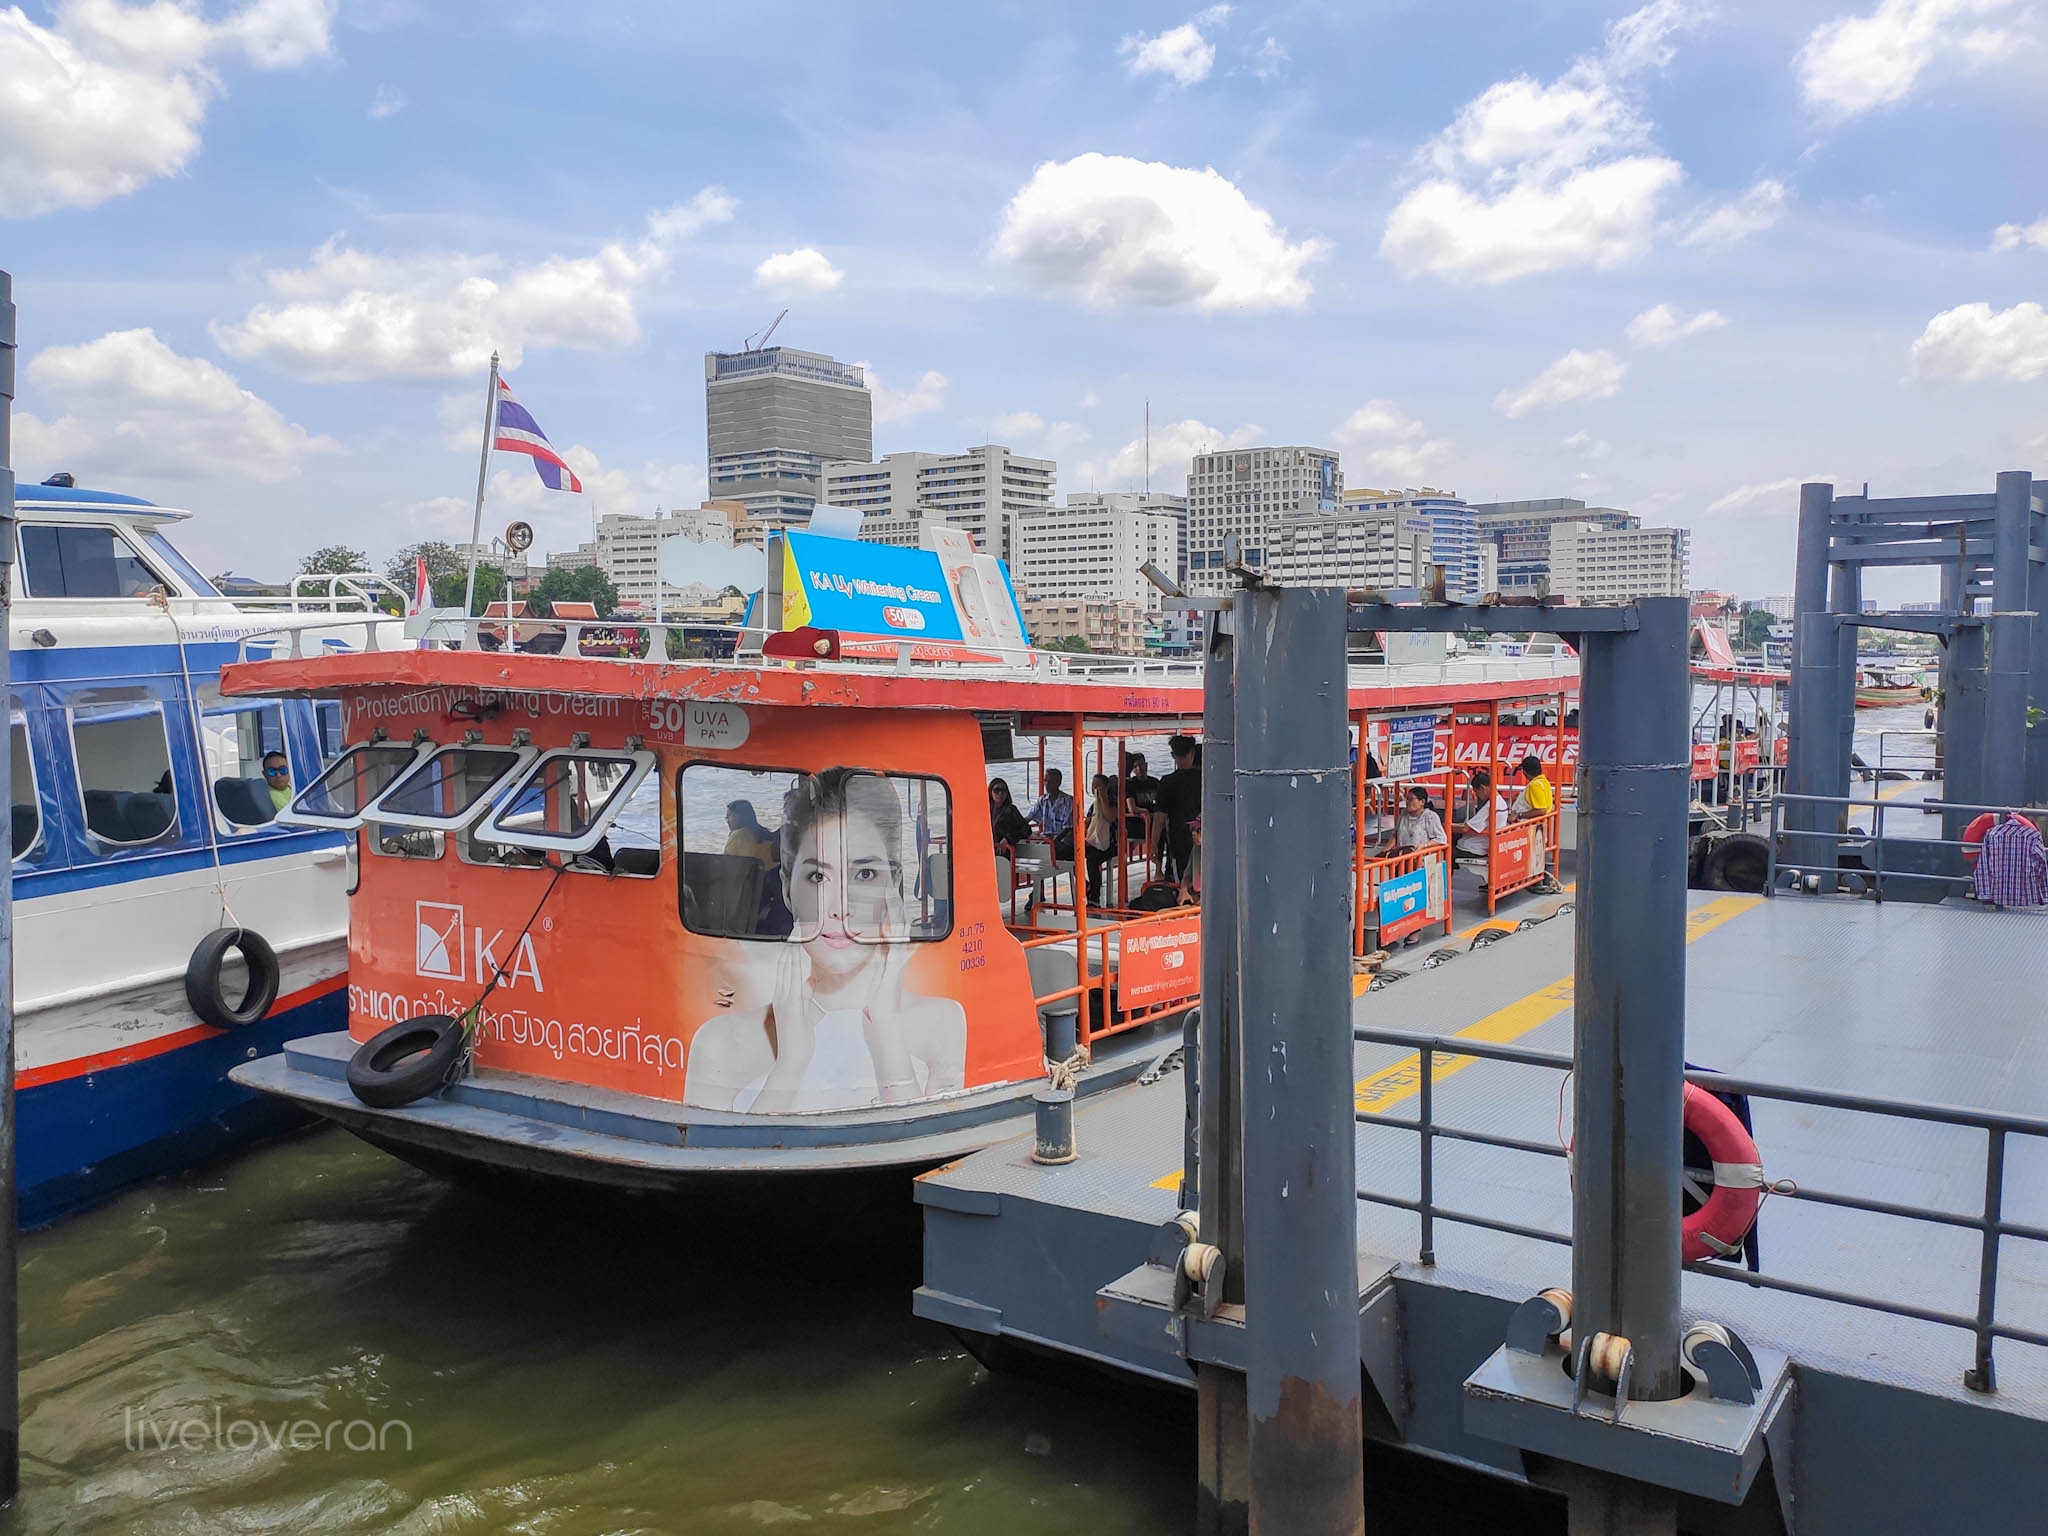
{"points": [[92, 1125], [1885, 698]]}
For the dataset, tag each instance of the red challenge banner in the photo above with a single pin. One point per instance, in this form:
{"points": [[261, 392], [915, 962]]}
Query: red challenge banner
{"points": [[1469, 745]]}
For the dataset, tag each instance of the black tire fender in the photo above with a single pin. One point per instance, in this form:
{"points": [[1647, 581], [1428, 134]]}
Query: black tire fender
{"points": [[1740, 861], [407, 1061], [203, 988]]}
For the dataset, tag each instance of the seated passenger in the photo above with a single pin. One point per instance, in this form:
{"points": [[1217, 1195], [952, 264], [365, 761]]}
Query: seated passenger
{"points": [[1486, 805], [1535, 798], [747, 837], [1418, 825], [277, 778], [1005, 819]]}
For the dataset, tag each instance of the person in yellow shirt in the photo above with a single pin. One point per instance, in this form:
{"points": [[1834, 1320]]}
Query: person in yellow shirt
{"points": [[746, 836], [1536, 797]]}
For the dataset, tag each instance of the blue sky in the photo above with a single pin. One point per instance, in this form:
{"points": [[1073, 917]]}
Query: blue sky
{"points": [[1675, 259]]}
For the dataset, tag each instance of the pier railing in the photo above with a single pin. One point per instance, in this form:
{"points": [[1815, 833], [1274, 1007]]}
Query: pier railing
{"points": [[1873, 874], [1440, 1053]]}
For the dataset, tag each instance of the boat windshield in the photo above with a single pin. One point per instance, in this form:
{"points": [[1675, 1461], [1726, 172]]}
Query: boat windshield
{"points": [[339, 796], [167, 554]]}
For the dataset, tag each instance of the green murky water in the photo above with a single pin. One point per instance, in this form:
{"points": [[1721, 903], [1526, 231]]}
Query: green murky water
{"points": [[317, 1337]]}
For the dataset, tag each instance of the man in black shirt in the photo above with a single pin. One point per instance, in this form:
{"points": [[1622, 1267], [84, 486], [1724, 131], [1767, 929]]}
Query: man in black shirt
{"points": [[1179, 799], [1141, 793]]}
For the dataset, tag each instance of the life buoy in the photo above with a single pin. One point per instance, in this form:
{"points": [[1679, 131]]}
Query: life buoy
{"points": [[203, 989], [408, 1061], [1973, 835], [1717, 1228]]}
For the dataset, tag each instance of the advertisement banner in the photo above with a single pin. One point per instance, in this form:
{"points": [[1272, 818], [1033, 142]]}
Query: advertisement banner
{"points": [[1161, 960], [1702, 760], [980, 589], [1410, 745], [1411, 901], [1748, 754], [867, 589], [1514, 856], [1516, 742]]}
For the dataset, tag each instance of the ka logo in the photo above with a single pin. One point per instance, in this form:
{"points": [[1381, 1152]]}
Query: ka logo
{"points": [[441, 952]]}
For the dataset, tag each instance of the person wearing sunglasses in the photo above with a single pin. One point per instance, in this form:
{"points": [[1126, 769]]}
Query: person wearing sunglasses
{"points": [[277, 778]]}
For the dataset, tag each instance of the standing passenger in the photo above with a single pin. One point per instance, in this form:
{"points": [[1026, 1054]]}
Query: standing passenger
{"points": [[1180, 800]]}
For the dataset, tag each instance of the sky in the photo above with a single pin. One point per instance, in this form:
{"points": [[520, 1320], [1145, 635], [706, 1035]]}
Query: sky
{"points": [[1675, 259]]}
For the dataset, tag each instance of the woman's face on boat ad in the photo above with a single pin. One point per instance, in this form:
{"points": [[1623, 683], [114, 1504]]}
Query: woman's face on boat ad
{"points": [[846, 891]]}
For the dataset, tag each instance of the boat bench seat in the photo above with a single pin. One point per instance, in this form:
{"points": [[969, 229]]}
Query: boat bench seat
{"points": [[128, 816]]}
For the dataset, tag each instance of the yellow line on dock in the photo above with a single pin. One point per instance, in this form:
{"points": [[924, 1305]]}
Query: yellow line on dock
{"points": [[1403, 1080]]}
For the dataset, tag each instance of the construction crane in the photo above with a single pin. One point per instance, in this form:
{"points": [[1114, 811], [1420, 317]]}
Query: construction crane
{"points": [[751, 345]]}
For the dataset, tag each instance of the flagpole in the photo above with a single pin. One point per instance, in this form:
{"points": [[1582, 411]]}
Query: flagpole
{"points": [[483, 464]]}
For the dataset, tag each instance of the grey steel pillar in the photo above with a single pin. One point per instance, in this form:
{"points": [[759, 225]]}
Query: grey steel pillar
{"points": [[2037, 662], [1302, 1380], [1222, 1435], [1845, 597], [1628, 1017], [1952, 602], [1810, 728], [10, 1313], [1962, 730], [2012, 643]]}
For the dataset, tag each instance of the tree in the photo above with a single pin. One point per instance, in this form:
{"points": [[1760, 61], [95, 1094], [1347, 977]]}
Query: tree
{"points": [[441, 561], [1070, 643], [1756, 628], [490, 587], [582, 584], [334, 560]]}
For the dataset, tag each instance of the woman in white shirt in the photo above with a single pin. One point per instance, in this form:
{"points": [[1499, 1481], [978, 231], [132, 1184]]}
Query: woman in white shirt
{"points": [[1418, 825]]}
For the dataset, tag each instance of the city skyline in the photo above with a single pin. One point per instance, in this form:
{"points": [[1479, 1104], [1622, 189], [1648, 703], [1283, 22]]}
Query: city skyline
{"points": [[1657, 259]]}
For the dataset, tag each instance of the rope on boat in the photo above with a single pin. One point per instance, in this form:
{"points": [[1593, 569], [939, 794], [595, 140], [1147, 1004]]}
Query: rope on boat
{"points": [[1065, 1074]]}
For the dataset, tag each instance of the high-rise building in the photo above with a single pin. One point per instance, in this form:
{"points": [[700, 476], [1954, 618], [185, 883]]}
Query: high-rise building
{"points": [[1246, 491], [1453, 538], [1521, 531], [1144, 501], [1095, 547], [774, 418], [626, 547], [1592, 565], [983, 490], [1358, 545]]}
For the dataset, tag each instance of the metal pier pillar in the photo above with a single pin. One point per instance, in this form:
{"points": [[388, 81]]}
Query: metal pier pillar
{"points": [[1628, 1021], [1811, 728], [10, 1315], [2037, 650], [1293, 773], [2005, 709], [1222, 1433], [1845, 598], [1962, 727]]}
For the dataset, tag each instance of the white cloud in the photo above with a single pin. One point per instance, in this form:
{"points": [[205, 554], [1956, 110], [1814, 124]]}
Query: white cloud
{"points": [[1666, 323], [1269, 59], [1392, 445], [1173, 448], [1587, 446], [1030, 433], [1182, 54], [2010, 237], [800, 271], [928, 394], [1765, 490], [1123, 231], [1089, 400], [352, 315], [1739, 218], [1017, 424], [109, 97], [132, 406], [1533, 177], [1575, 376], [1974, 341], [389, 102], [1855, 64]]}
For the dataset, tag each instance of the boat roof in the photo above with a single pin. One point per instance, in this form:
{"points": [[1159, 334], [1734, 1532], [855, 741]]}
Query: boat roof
{"points": [[78, 498], [1140, 689]]}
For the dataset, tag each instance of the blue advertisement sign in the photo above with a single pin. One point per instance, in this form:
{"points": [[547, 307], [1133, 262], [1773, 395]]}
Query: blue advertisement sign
{"points": [[1326, 486], [868, 589], [1411, 745], [1403, 896]]}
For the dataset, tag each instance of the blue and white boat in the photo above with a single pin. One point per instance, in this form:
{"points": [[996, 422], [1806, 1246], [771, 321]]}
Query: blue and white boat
{"points": [[142, 828]]}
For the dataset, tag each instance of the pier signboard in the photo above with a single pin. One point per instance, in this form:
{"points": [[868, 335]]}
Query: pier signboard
{"points": [[1410, 745], [1160, 960], [1411, 901]]}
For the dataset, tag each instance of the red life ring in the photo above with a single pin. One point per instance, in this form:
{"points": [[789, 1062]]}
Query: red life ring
{"points": [[1973, 835], [1717, 1228]]}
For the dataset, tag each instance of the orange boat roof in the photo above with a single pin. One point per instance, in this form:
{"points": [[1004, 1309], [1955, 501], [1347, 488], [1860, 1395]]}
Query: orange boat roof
{"points": [[852, 686]]}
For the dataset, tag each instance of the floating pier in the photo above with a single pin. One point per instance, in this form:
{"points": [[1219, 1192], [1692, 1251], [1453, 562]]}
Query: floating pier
{"points": [[1498, 1280]]}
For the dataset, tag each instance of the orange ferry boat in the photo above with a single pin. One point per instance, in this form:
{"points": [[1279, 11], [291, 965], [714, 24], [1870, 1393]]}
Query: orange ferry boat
{"points": [[642, 922]]}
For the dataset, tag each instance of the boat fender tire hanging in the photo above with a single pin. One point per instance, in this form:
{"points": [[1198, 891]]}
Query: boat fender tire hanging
{"points": [[1740, 861], [406, 1062], [206, 994], [1717, 1228]]}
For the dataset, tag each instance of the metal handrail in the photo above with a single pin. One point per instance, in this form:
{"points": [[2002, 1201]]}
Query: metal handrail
{"points": [[1874, 836], [1997, 1125]]}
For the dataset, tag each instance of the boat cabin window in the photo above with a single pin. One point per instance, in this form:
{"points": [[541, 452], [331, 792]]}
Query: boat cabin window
{"points": [[449, 788], [124, 768], [327, 728], [339, 796], [567, 801], [27, 808], [246, 763], [404, 842], [630, 846], [167, 556], [79, 560], [779, 854]]}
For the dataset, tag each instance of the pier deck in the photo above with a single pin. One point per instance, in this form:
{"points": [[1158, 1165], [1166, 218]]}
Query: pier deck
{"points": [[1934, 1004]]}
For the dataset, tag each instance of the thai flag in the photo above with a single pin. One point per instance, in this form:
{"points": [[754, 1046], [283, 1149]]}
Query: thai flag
{"points": [[518, 432], [422, 588]]}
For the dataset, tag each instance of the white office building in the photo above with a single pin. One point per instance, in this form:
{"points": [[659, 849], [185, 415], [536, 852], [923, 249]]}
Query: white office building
{"points": [[1454, 538], [1593, 565], [984, 490], [625, 547], [1354, 546], [1095, 547], [1247, 491]]}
